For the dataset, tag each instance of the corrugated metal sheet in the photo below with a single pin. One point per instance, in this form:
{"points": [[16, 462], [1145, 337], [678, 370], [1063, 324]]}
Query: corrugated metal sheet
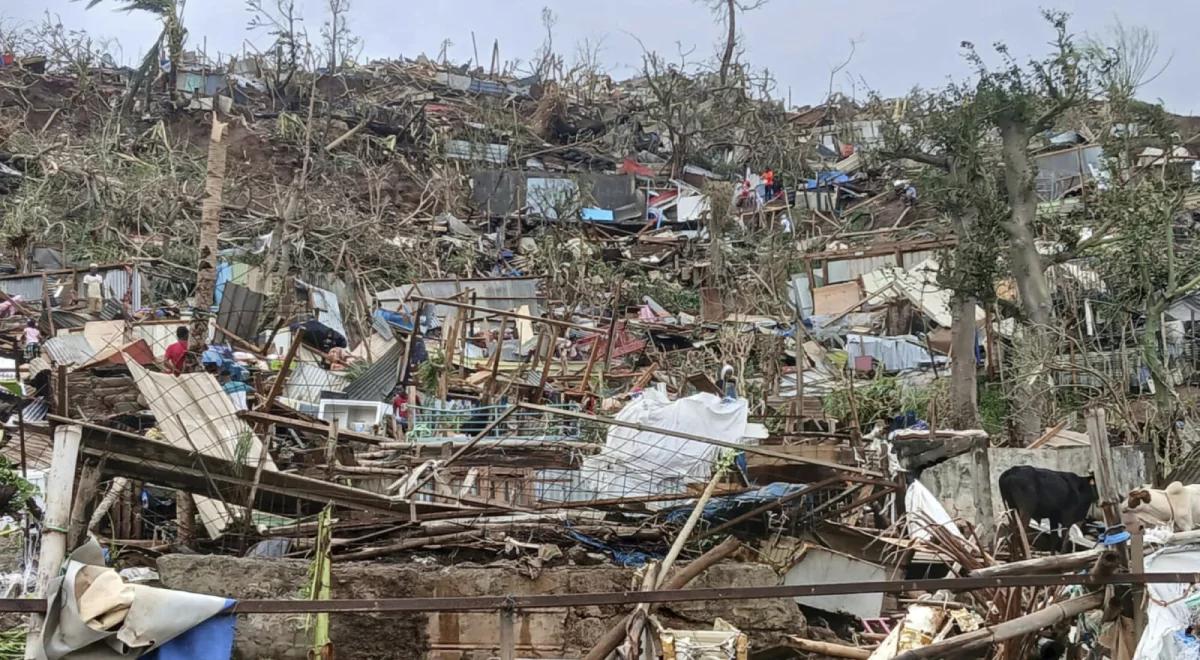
{"points": [[307, 381], [69, 349], [113, 309], [849, 269], [29, 288], [329, 310], [239, 312], [379, 379], [118, 282], [63, 319], [467, 150], [503, 293]]}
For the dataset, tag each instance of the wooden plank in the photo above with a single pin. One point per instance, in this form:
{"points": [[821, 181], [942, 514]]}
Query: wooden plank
{"points": [[128, 454], [835, 298], [259, 417]]}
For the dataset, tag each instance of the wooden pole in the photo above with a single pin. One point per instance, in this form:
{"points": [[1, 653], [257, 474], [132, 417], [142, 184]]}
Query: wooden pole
{"points": [[1049, 564], [1017, 627], [828, 649], [1102, 466], [1137, 565], [508, 646], [85, 489], [616, 634], [59, 484], [281, 379], [210, 229]]}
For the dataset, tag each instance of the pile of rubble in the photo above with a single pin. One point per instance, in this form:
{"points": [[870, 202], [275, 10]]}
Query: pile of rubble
{"points": [[479, 324]]}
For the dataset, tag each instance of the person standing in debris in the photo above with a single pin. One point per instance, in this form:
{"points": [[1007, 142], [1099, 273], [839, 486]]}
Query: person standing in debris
{"points": [[93, 286], [910, 195], [33, 340], [400, 410], [768, 179], [177, 352]]}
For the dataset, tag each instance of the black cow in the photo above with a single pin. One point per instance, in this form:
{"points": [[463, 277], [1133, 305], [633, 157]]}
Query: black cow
{"points": [[1035, 493]]}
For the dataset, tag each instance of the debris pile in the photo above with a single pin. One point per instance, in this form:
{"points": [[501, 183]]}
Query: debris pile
{"points": [[443, 319]]}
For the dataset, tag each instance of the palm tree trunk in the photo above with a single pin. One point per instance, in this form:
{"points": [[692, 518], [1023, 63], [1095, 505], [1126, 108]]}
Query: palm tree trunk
{"points": [[210, 229]]}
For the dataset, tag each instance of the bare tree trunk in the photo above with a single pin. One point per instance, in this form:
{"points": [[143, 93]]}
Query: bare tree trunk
{"points": [[1028, 272], [210, 229], [964, 400], [149, 63], [174, 30], [730, 38]]}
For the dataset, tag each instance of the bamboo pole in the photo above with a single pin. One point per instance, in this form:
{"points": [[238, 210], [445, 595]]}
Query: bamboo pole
{"points": [[1050, 564], [54, 526], [1017, 627], [614, 636], [829, 649], [115, 489], [638, 618]]}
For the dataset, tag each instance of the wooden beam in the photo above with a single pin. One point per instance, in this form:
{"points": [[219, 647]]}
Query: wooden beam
{"points": [[281, 378], [260, 417], [129, 454]]}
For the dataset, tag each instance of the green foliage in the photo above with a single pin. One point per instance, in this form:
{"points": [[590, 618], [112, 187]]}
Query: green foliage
{"points": [[883, 398], [12, 643], [993, 408], [11, 478]]}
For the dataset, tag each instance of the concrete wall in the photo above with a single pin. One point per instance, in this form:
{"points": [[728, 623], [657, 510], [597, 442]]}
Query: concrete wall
{"points": [[550, 633], [968, 484]]}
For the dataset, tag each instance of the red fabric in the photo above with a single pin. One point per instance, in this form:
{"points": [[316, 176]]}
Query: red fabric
{"points": [[175, 355], [400, 405]]}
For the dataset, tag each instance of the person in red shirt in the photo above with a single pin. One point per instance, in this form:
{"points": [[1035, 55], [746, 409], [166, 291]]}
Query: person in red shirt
{"points": [[400, 410], [177, 352]]}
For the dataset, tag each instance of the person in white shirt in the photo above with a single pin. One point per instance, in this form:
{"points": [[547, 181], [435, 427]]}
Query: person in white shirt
{"points": [[93, 285]]}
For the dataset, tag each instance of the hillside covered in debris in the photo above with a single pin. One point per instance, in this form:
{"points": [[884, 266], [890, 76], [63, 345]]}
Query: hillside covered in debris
{"points": [[514, 360]]}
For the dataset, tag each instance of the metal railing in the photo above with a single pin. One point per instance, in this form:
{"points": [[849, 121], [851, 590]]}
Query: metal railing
{"points": [[441, 422]]}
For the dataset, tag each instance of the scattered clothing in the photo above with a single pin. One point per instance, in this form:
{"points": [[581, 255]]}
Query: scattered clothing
{"points": [[9, 307], [237, 391]]}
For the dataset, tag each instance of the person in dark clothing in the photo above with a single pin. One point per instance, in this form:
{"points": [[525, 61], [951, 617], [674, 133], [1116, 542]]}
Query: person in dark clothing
{"points": [[318, 335]]}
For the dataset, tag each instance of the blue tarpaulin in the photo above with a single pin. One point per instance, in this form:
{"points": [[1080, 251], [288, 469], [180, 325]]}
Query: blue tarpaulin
{"points": [[623, 556], [592, 214], [720, 509], [826, 179], [211, 640]]}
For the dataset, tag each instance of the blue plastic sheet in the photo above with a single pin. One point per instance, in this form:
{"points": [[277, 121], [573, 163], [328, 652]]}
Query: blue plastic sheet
{"points": [[211, 640], [720, 509], [623, 556]]}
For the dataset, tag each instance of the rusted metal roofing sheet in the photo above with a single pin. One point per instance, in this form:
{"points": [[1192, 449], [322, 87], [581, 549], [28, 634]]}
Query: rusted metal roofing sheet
{"points": [[239, 312]]}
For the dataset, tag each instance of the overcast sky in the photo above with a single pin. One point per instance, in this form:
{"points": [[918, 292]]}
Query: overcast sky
{"points": [[898, 44]]}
